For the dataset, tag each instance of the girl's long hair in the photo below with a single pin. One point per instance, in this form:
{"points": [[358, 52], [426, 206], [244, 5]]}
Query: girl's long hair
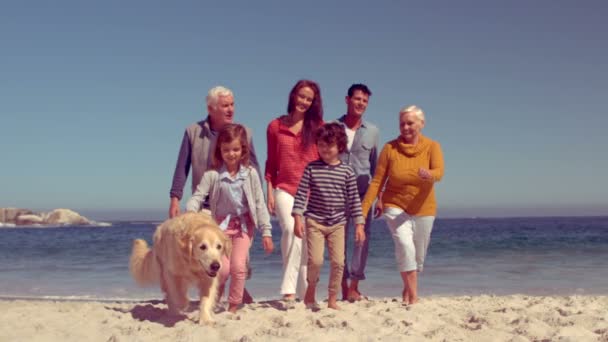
{"points": [[228, 134], [313, 116]]}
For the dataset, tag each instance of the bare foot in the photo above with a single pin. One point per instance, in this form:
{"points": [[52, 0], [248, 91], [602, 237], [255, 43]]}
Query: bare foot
{"points": [[309, 297], [413, 301], [233, 308], [289, 297], [354, 295], [345, 289], [405, 296], [332, 302], [314, 307], [289, 301], [333, 305]]}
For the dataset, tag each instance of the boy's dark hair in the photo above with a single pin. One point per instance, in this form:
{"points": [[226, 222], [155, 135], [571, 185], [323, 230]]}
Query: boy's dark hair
{"points": [[359, 86], [332, 133]]}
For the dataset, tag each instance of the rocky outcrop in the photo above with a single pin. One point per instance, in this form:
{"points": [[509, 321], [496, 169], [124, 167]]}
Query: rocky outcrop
{"points": [[61, 217], [10, 215], [28, 219], [65, 216]]}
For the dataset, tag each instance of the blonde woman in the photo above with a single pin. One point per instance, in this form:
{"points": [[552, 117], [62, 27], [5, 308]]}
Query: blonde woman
{"points": [[410, 165]]}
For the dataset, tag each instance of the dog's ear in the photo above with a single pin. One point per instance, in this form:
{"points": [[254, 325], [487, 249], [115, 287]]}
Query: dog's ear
{"points": [[186, 245]]}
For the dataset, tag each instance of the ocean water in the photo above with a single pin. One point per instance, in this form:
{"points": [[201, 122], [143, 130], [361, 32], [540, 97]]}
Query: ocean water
{"points": [[536, 256]]}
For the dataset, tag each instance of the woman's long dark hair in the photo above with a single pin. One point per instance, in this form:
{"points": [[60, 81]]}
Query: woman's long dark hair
{"points": [[313, 116]]}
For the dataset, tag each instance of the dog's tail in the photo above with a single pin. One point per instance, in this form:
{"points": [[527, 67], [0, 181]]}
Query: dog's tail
{"points": [[143, 265]]}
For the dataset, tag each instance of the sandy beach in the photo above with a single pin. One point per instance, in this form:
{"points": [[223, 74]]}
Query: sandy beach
{"points": [[465, 318]]}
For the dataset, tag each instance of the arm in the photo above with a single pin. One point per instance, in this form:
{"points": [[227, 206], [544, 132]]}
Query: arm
{"points": [[373, 156], [202, 190], [180, 175], [262, 213], [355, 208], [435, 171], [298, 226], [437, 165], [270, 197], [379, 179], [300, 203], [354, 203], [379, 209], [253, 158], [373, 162], [271, 165]]}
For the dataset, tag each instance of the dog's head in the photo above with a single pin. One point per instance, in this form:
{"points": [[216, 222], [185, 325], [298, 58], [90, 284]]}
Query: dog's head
{"points": [[206, 244]]}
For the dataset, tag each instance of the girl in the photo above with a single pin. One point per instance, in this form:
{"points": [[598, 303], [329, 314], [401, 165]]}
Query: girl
{"points": [[291, 146], [237, 203]]}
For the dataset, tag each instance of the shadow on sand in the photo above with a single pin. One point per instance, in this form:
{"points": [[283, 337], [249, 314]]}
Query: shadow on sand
{"points": [[156, 311]]}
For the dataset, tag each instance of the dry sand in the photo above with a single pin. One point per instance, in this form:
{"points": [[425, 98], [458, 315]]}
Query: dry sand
{"points": [[468, 318]]}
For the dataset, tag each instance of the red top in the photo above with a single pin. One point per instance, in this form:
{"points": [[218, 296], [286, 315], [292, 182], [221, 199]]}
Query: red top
{"points": [[286, 158]]}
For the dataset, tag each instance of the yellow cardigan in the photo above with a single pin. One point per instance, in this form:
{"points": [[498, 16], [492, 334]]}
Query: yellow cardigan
{"points": [[399, 163]]}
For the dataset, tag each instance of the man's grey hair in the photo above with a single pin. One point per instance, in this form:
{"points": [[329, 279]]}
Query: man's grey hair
{"points": [[215, 93]]}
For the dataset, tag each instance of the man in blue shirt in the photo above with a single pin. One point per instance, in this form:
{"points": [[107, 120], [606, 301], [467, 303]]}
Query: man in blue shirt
{"points": [[362, 155]]}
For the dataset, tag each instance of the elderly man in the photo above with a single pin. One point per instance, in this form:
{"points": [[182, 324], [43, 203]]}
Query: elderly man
{"points": [[198, 143], [197, 148]]}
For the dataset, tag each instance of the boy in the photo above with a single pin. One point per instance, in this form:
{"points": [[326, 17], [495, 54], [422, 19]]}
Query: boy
{"points": [[331, 188]]}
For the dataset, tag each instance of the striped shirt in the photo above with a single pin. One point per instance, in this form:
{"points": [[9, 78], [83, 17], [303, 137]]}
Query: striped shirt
{"points": [[332, 191]]}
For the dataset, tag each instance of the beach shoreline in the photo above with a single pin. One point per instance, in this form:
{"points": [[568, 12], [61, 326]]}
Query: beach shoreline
{"points": [[435, 318]]}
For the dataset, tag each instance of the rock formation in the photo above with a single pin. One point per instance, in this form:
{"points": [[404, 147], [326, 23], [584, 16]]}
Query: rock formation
{"points": [[61, 217]]}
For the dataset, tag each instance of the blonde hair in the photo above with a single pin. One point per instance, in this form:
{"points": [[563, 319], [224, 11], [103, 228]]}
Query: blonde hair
{"points": [[414, 110], [215, 93]]}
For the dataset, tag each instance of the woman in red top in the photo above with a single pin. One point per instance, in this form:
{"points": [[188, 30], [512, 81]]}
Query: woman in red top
{"points": [[291, 146]]}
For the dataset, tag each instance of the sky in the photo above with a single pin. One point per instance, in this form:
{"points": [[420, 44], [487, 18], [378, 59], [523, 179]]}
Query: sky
{"points": [[95, 96]]}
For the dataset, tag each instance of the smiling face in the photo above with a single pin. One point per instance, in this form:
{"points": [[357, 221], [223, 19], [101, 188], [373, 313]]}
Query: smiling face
{"points": [[222, 113], [357, 104], [231, 154], [328, 152], [410, 126], [303, 99]]}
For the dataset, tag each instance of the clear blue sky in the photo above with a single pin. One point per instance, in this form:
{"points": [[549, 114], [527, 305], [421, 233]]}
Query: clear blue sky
{"points": [[95, 96]]}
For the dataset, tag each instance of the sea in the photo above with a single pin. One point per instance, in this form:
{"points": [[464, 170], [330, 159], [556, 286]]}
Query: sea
{"points": [[467, 256]]}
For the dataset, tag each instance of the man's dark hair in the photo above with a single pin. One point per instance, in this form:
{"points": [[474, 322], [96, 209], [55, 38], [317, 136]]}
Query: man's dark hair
{"points": [[359, 86], [332, 133]]}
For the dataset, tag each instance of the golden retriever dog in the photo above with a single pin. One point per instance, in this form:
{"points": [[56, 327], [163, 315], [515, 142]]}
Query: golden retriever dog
{"points": [[187, 251]]}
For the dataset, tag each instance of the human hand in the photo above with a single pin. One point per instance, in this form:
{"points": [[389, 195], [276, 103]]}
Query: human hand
{"points": [[379, 209], [174, 207], [267, 244], [271, 203], [298, 227], [359, 234], [425, 174]]}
